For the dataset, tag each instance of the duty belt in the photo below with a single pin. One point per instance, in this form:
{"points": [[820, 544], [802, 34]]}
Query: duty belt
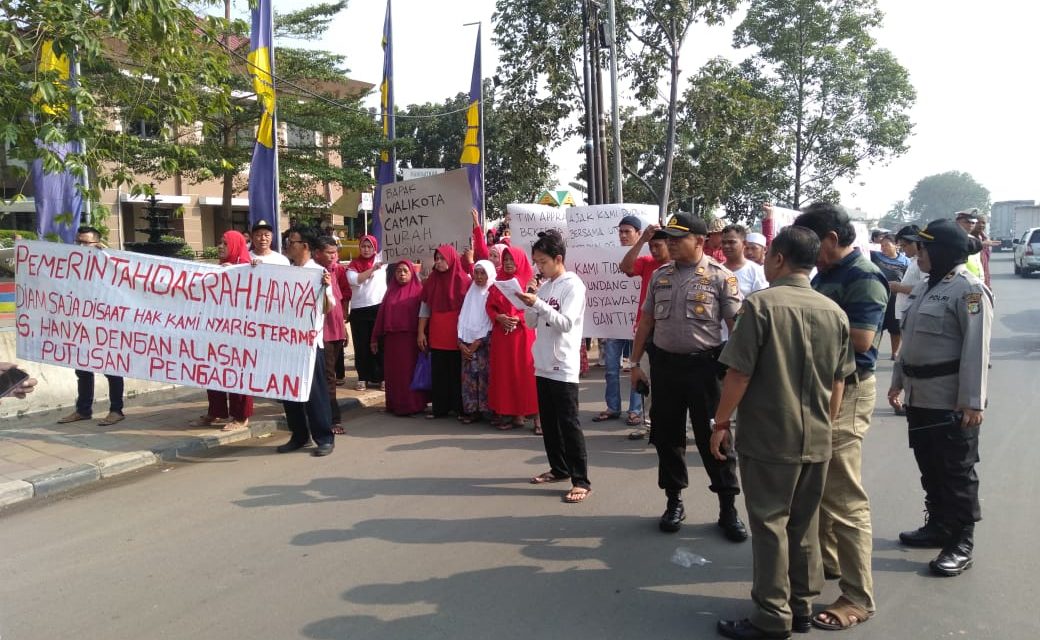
{"points": [[710, 354], [859, 375], [931, 370]]}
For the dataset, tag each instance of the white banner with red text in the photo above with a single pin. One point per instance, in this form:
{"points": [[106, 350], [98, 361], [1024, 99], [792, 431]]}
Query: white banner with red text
{"points": [[246, 330]]}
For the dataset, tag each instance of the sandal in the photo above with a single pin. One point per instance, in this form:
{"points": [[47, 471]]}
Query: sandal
{"points": [[339, 430], [606, 415], [634, 419], [537, 429], [235, 425], [207, 421], [360, 386], [846, 613], [547, 478], [576, 495]]}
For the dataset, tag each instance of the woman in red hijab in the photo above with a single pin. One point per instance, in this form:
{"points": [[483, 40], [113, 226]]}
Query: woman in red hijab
{"points": [[228, 410], [443, 294], [511, 386], [397, 325]]}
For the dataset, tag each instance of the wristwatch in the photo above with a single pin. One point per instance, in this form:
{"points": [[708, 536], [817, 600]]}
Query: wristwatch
{"points": [[722, 425]]}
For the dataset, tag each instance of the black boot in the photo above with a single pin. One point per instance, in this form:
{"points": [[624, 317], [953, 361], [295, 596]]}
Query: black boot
{"points": [[674, 514], [955, 557], [935, 534], [729, 521]]}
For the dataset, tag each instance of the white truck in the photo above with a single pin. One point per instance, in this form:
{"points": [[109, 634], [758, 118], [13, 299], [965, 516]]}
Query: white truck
{"points": [[1025, 217], [1002, 222]]}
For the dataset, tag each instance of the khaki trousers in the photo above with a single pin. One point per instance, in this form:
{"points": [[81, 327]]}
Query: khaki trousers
{"points": [[782, 503], [846, 540]]}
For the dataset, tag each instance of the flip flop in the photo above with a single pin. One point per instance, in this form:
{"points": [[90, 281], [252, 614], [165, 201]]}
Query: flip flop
{"points": [[546, 478], [634, 419], [576, 495], [606, 415]]}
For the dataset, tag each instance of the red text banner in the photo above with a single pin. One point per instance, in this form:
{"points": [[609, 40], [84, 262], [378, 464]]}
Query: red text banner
{"points": [[247, 330]]}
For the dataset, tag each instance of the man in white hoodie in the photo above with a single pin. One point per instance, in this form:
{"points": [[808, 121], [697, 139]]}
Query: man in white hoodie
{"points": [[556, 312]]}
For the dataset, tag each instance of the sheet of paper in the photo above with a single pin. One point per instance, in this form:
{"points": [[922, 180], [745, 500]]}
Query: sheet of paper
{"points": [[511, 289]]}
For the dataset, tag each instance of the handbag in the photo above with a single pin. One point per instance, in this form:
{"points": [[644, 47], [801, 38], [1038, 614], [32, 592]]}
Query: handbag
{"points": [[422, 377]]}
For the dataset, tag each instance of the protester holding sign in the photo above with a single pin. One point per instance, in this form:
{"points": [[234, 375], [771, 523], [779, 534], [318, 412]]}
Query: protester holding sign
{"points": [[261, 237], [442, 298], [558, 311], [311, 418], [335, 330], [224, 406], [512, 391], [397, 327], [368, 286], [475, 343]]}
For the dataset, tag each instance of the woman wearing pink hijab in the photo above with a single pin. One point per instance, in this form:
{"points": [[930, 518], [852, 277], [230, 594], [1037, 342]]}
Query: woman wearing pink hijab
{"points": [[231, 411]]}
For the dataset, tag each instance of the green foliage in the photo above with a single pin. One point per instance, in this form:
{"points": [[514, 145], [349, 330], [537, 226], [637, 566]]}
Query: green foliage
{"points": [[943, 194], [897, 217], [516, 167], [10, 234], [211, 253], [845, 101]]}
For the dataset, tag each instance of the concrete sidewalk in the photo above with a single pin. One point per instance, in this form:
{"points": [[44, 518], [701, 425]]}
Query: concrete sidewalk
{"points": [[39, 457]]}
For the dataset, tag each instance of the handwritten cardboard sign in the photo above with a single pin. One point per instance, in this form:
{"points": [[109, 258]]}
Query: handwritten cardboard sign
{"points": [[247, 330], [611, 297], [527, 220], [596, 225], [420, 215]]}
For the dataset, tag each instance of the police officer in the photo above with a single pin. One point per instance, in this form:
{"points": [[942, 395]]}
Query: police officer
{"points": [[686, 304], [942, 368]]}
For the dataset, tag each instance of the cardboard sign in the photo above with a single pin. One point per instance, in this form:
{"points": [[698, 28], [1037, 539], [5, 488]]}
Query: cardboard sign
{"points": [[247, 330], [420, 215], [611, 297], [596, 225], [527, 220]]}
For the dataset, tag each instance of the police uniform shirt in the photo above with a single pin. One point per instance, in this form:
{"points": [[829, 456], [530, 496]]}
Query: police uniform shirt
{"points": [[793, 343], [951, 321], [689, 304]]}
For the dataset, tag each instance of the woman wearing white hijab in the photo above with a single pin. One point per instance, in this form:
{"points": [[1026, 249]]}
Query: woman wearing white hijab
{"points": [[474, 342]]}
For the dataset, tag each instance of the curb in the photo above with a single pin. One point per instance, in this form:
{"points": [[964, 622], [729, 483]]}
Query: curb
{"points": [[81, 475]]}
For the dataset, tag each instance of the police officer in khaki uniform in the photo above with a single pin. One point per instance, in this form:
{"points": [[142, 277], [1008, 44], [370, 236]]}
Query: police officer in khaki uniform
{"points": [[788, 358], [943, 370], [686, 304]]}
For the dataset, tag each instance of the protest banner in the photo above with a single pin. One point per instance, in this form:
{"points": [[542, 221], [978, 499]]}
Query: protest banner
{"points": [[783, 217], [247, 330], [420, 215], [611, 297], [526, 220], [596, 225]]}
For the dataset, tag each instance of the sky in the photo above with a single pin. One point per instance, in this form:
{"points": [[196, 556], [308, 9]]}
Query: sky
{"points": [[975, 66]]}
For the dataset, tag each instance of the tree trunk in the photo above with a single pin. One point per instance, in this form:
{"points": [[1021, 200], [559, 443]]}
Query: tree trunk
{"points": [[673, 98]]}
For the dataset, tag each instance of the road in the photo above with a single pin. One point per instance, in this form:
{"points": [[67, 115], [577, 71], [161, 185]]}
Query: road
{"points": [[419, 529]]}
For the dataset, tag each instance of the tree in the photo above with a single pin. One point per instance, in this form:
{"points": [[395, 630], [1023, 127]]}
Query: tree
{"points": [[159, 36], [943, 194], [516, 168], [897, 217], [845, 100]]}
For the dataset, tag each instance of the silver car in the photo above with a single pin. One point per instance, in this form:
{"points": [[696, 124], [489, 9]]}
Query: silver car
{"points": [[1027, 252]]}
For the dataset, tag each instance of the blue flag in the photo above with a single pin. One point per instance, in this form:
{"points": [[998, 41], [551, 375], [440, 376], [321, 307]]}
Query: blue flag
{"points": [[472, 148], [59, 202], [263, 171], [385, 170]]}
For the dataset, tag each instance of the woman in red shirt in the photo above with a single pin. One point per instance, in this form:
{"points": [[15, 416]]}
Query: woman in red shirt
{"points": [[443, 294], [511, 384]]}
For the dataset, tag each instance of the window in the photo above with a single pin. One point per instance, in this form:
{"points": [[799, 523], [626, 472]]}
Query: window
{"points": [[300, 138], [143, 128], [1036, 237]]}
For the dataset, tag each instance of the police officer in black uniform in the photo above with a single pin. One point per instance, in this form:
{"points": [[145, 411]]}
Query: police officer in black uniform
{"points": [[687, 305], [943, 370]]}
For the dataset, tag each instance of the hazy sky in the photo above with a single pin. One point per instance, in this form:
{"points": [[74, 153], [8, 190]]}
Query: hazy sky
{"points": [[976, 68]]}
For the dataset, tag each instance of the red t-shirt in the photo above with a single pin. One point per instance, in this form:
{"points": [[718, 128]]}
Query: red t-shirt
{"points": [[644, 267]]}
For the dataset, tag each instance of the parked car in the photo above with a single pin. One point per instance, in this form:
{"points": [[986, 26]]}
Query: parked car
{"points": [[1027, 252]]}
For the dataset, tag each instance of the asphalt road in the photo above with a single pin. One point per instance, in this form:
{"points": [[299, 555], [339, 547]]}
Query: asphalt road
{"points": [[417, 529]]}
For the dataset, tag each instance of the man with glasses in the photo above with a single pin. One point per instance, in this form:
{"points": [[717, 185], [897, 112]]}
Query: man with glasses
{"points": [[91, 237]]}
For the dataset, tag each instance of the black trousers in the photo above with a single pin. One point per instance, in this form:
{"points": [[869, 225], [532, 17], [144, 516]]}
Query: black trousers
{"points": [[446, 393], [313, 418], [85, 393], [561, 430], [682, 386], [362, 323], [946, 454]]}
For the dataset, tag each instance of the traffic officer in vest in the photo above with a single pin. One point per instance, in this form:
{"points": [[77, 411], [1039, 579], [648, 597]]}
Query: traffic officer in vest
{"points": [[687, 303], [942, 369]]}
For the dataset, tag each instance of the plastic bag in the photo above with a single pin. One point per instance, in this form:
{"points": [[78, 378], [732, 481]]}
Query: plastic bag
{"points": [[422, 378], [686, 558]]}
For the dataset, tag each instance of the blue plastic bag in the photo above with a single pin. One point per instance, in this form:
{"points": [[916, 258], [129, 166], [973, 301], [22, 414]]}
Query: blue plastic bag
{"points": [[422, 378]]}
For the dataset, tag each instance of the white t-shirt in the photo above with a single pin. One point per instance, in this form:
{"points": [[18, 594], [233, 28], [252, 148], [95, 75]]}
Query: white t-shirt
{"points": [[271, 258], [319, 315], [370, 292], [750, 278], [911, 277]]}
